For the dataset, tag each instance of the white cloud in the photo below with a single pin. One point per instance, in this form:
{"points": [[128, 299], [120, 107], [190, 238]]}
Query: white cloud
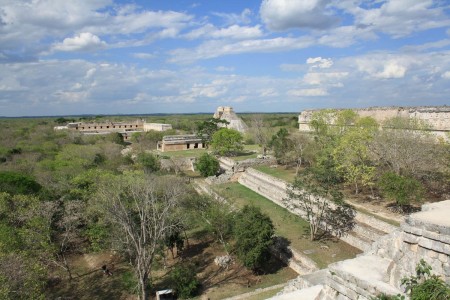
{"points": [[320, 78], [232, 32], [214, 48], [385, 66], [85, 41], [307, 92], [285, 14], [446, 75], [224, 69], [392, 69], [271, 92], [28, 26], [400, 18], [319, 62], [143, 55], [230, 18]]}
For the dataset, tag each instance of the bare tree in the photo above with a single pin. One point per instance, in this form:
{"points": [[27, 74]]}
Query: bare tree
{"points": [[260, 133], [143, 210], [405, 147]]}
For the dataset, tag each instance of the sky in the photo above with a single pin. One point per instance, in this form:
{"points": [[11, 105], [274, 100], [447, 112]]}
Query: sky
{"points": [[70, 57]]}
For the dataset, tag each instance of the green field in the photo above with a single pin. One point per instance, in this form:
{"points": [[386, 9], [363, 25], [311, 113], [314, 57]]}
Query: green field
{"points": [[280, 172]]}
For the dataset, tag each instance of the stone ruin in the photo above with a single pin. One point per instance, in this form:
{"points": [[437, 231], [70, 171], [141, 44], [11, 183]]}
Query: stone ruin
{"points": [[423, 235], [227, 113]]}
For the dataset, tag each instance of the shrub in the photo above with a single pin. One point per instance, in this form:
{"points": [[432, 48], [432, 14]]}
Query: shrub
{"points": [[184, 281], [16, 183], [207, 165], [253, 232], [149, 162], [402, 189]]}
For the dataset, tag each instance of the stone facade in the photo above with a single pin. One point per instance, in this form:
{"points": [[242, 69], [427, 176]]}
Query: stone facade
{"points": [[98, 127], [227, 113], [180, 142], [437, 117], [423, 235], [157, 126]]}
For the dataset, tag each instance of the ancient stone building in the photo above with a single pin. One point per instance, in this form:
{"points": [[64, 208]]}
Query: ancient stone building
{"points": [[423, 235], [227, 113], [180, 142], [157, 126], [437, 117]]}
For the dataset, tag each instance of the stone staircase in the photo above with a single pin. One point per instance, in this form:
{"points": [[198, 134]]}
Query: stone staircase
{"points": [[366, 230], [424, 235]]}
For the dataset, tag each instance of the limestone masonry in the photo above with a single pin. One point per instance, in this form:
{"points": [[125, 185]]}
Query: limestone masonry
{"points": [[227, 113], [437, 117], [423, 235]]}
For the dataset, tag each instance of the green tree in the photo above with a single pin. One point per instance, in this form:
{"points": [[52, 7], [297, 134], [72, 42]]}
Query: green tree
{"points": [[217, 218], [403, 190], [16, 183], [253, 232], [352, 154], [227, 141], [207, 165], [184, 280], [207, 128], [281, 145], [149, 162], [320, 203]]}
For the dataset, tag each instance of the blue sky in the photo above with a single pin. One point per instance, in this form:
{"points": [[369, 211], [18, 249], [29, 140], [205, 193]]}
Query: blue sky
{"points": [[60, 57]]}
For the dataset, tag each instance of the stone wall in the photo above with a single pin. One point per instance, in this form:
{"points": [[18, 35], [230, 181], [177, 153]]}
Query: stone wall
{"points": [[424, 235], [438, 117], [365, 231]]}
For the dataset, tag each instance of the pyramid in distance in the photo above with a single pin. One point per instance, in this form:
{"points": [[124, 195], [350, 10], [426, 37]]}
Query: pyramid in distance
{"points": [[227, 113]]}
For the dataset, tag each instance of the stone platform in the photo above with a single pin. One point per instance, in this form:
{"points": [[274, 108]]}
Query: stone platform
{"points": [[423, 235]]}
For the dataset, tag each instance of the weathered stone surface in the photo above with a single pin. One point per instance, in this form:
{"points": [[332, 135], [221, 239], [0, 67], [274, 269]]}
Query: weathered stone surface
{"points": [[312, 293]]}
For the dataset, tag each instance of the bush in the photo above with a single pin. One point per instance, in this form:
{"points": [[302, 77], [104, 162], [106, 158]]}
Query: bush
{"points": [[184, 281], [149, 162], [253, 232], [402, 189], [16, 183], [207, 165], [426, 286]]}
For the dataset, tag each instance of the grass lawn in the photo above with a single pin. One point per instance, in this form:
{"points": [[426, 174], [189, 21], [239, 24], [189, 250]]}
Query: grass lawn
{"points": [[279, 172], [289, 226]]}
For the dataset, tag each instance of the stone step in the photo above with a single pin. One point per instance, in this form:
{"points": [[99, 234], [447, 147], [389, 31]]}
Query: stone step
{"points": [[363, 277], [357, 241], [367, 232]]}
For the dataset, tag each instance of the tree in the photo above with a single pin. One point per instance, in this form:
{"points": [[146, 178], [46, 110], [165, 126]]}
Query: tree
{"points": [[320, 203], [185, 282], [142, 211], [406, 148], [280, 144], [227, 141], [299, 144], [206, 129], [16, 183], [352, 155], [207, 165], [149, 162], [218, 218], [260, 133], [253, 232], [402, 189]]}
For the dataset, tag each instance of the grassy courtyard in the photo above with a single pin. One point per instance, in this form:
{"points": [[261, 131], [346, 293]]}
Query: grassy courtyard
{"points": [[289, 226]]}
